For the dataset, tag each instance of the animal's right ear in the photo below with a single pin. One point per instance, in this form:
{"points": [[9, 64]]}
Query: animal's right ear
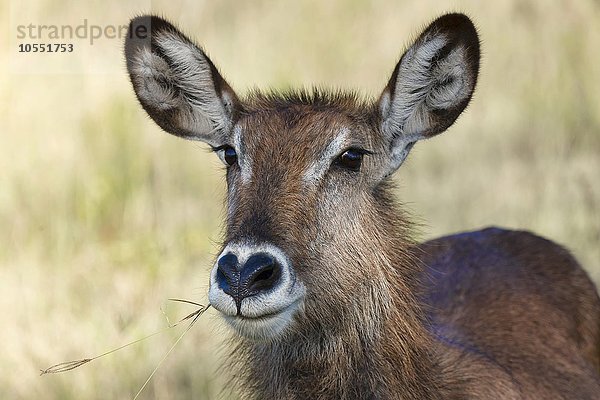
{"points": [[177, 84]]}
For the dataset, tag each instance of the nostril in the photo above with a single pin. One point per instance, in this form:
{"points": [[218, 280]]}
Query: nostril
{"points": [[227, 273], [222, 280], [265, 275], [265, 280], [260, 273]]}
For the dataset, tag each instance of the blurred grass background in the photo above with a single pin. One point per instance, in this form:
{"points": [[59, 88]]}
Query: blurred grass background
{"points": [[103, 217]]}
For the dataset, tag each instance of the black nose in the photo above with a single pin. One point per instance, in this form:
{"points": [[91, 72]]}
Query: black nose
{"points": [[260, 273]]}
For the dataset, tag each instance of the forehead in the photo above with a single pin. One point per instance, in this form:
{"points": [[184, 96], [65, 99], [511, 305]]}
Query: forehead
{"points": [[306, 131], [301, 124]]}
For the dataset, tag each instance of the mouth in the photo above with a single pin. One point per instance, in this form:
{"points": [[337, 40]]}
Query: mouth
{"points": [[268, 326], [259, 317], [262, 317]]}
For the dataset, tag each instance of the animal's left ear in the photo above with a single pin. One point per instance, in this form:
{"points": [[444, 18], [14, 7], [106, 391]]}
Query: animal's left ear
{"points": [[431, 84]]}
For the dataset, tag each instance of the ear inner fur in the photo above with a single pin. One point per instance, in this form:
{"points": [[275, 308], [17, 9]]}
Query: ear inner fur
{"points": [[177, 84]]}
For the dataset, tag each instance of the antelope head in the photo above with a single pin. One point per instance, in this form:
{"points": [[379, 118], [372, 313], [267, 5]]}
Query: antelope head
{"points": [[311, 225]]}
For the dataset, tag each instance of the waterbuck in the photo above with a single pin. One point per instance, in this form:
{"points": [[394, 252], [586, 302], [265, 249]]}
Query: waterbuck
{"points": [[327, 294]]}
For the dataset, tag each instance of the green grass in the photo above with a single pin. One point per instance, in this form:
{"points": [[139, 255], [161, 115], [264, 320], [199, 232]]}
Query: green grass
{"points": [[103, 217]]}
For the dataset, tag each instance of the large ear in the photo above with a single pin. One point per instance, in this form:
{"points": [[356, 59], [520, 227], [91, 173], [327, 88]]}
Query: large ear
{"points": [[431, 84], [177, 84]]}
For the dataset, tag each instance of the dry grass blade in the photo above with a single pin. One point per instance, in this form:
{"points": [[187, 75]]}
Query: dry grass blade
{"points": [[189, 302], [65, 366], [70, 365], [196, 314]]}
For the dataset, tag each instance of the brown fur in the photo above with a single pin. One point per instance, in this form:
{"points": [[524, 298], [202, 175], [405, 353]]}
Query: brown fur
{"points": [[480, 315], [521, 303], [503, 315]]}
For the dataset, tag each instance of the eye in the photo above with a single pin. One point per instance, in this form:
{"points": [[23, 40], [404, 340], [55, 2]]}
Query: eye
{"points": [[227, 154], [351, 159]]}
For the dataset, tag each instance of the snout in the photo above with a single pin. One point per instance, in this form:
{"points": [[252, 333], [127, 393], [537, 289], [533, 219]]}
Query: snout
{"points": [[259, 274], [256, 289]]}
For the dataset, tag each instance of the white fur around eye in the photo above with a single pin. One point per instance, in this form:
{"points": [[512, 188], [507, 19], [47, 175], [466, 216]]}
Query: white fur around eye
{"points": [[315, 171]]}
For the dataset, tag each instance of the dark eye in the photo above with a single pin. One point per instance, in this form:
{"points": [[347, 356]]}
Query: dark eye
{"points": [[351, 159], [227, 154]]}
